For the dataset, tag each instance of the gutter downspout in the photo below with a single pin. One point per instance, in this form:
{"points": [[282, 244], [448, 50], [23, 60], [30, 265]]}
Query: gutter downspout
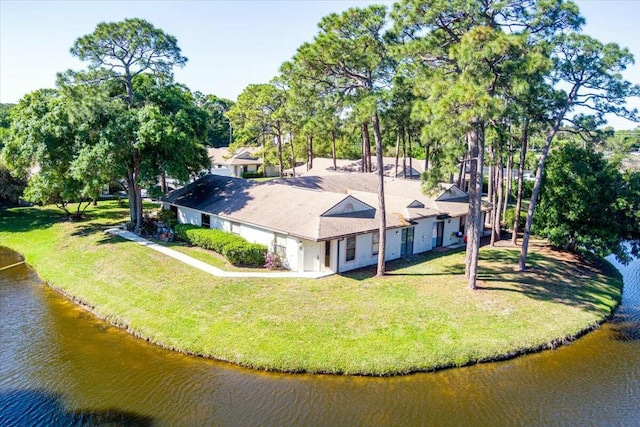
{"points": [[338, 258]]}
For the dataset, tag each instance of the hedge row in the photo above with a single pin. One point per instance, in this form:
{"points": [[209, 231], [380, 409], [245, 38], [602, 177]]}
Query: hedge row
{"points": [[236, 249]]}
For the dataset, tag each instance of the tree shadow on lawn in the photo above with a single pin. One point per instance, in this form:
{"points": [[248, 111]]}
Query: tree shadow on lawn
{"points": [[563, 279], [20, 220], [402, 266]]}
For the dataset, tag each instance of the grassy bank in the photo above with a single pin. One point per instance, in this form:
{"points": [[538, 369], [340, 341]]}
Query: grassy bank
{"points": [[420, 317]]}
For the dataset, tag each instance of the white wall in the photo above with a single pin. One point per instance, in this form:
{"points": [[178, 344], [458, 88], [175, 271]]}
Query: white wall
{"points": [[189, 216], [451, 226], [422, 240], [222, 171], [306, 255], [394, 241]]}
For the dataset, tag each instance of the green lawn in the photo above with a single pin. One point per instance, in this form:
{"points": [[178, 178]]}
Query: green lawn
{"points": [[419, 317]]}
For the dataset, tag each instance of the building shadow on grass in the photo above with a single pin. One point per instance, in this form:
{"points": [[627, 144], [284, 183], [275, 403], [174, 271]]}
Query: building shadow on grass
{"points": [[38, 407]]}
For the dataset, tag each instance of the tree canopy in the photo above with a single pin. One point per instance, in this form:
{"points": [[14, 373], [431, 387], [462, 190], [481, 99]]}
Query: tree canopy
{"points": [[588, 205], [466, 85], [152, 126]]}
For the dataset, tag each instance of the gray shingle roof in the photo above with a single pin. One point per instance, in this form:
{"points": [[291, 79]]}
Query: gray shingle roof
{"points": [[295, 206]]}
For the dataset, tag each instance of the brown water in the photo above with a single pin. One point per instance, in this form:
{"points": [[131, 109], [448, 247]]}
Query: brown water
{"points": [[61, 366]]}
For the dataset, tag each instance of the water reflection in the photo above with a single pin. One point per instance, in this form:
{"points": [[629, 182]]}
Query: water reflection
{"points": [[58, 358]]}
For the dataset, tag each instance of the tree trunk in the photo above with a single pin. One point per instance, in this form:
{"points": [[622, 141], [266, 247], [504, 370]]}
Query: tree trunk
{"points": [[279, 142], [132, 197], [499, 189], [523, 156], [490, 181], [461, 173], [264, 164], [381, 205], [366, 148], [426, 157], [309, 152], [404, 154], [163, 181], [363, 150], [137, 193], [293, 158], [509, 183], [475, 139], [522, 264], [410, 154], [333, 148], [395, 174]]}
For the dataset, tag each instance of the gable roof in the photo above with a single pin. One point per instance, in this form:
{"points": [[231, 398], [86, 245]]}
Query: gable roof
{"points": [[241, 156], [313, 207]]}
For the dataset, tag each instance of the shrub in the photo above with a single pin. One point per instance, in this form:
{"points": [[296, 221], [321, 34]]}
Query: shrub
{"points": [[168, 217], [272, 261], [247, 175], [245, 253], [182, 229], [510, 216], [236, 249]]}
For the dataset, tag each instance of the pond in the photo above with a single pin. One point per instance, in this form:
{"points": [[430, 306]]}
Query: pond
{"points": [[61, 366]]}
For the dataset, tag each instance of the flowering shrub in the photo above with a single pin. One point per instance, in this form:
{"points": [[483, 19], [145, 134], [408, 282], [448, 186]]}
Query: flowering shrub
{"points": [[272, 261]]}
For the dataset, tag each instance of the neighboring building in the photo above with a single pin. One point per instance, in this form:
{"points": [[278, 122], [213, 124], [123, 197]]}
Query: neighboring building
{"points": [[236, 163], [327, 223], [324, 166]]}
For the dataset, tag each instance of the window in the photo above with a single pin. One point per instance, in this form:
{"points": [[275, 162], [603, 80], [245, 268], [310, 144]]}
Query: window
{"points": [[351, 248], [235, 228], [327, 253], [205, 221], [375, 243], [280, 245]]}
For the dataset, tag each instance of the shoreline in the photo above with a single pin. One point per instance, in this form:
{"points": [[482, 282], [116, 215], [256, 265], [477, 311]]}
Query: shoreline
{"points": [[419, 318], [552, 345]]}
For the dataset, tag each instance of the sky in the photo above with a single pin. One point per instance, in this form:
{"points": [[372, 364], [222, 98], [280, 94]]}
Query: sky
{"points": [[229, 44]]}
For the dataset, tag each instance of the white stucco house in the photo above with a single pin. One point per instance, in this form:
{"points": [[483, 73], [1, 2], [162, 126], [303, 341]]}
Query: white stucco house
{"points": [[228, 162], [325, 223]]}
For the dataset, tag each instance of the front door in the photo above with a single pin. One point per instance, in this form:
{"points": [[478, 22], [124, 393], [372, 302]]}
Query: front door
{"points": [[438, 234], [311, 252], [406, 247]]}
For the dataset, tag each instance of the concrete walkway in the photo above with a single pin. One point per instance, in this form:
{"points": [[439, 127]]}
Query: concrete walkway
{"points": [[209, 268]]}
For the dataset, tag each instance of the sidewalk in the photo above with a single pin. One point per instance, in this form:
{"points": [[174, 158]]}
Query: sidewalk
{"points": [[209, 268]]}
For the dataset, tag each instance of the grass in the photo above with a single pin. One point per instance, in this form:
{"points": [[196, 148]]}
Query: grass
{"points": [[418, 318]]}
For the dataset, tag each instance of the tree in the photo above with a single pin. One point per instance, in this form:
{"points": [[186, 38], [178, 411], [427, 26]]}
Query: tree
{"points": [[12, 185], [5, 122], [599, 212], [220, 132], [348, 59], [259, 117], [591, 72], [120, 51], [45, 142]]}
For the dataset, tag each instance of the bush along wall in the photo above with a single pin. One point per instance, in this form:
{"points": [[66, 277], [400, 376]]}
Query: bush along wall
{"points": [[236, 249]]}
